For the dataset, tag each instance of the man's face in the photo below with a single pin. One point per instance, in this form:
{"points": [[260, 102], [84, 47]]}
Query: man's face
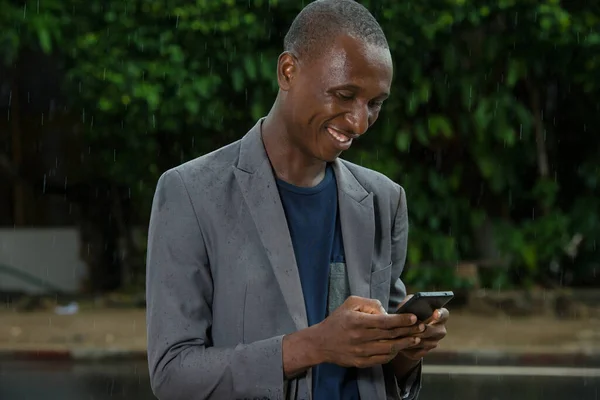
{"points": [[337, 97]]}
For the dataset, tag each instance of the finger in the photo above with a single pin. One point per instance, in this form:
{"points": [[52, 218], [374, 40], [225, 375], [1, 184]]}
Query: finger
{"points": [[424, 344], [438, 317], [404, 301], [419, 352], [433, 332], [366, 362], [396, 333], [385, 322], [368, 306], [394, 321], [388, 347]]}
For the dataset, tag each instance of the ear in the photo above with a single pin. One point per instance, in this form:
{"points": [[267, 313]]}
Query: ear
{"points": [[287, 67]]}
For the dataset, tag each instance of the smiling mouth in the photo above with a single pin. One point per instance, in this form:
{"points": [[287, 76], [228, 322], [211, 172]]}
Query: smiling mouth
{"points": [[337, 135]]}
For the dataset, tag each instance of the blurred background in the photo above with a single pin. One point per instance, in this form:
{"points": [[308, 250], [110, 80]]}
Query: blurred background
{"points": [[492, 129]]}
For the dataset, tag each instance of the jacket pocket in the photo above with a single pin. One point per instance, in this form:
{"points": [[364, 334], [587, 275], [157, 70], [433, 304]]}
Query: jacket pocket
{"points": [[380, 284]]}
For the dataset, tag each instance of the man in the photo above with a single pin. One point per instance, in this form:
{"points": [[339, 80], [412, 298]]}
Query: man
{"points": [[272, 264]]}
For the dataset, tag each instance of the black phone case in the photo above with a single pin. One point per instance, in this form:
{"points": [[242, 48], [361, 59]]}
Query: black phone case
{"points": [[424, 304]]}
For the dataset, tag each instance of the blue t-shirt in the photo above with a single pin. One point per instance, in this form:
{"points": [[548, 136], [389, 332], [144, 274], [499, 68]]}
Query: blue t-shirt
{"points": [[313, 221]]}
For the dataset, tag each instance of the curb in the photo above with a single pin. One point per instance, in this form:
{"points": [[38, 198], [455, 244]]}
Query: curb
{"points": [[579, 359], [89, 354], [499, 358]]}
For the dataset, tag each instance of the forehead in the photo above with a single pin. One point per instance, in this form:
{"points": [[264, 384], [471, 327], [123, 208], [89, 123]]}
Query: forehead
{"points": [[352, 61]]}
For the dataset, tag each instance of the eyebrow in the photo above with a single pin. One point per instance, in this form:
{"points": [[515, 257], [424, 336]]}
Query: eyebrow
{"points": [[356, 88]]}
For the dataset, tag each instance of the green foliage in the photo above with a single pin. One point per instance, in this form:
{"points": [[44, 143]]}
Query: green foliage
{"points": [[483, 92]]}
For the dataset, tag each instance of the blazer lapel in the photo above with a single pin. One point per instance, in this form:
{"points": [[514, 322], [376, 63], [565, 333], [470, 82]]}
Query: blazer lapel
{"points": [[357, 217], [257, 182], [358, 229]]}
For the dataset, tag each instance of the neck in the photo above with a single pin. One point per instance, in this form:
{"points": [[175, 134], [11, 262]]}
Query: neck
{"points": [[289, 162]]}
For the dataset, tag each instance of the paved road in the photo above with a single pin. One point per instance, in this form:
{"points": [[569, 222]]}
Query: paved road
{"points": [[62, 381]]}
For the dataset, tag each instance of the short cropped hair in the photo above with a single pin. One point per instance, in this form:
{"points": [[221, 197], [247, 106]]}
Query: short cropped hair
{"points": [[320, 22]]}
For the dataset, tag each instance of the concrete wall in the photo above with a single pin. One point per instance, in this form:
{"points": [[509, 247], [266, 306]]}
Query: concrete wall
{"points": [[51, 255]]}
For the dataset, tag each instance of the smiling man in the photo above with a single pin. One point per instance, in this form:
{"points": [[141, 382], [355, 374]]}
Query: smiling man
{"points": [[273, 268]]}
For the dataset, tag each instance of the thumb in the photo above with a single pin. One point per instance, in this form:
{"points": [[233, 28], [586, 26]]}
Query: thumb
{"points": [[369, 306], [407, 298]]}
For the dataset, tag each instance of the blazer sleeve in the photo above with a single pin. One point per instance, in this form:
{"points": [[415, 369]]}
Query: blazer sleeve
{"points": [[183, 364], [411, 387]]}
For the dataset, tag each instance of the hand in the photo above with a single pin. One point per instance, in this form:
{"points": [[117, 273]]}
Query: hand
{"points": [[434, 332], [361, 334]]}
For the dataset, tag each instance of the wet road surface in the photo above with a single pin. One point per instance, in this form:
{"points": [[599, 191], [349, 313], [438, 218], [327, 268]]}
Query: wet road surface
{"points": [[127, 381]]}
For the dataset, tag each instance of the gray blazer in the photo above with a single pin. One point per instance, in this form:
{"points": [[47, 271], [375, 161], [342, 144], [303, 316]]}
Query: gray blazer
{"points": [[222, 282]]}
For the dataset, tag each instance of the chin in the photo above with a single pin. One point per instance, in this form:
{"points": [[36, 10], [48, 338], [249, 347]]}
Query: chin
{"points": [[329, 158]]}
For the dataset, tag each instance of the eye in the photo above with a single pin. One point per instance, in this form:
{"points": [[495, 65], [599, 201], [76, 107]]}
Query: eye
{"points": [[345, 95], [376, 103]]}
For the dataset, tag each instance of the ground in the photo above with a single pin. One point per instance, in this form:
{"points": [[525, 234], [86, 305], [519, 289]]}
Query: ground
{"points": [[125, 330]]}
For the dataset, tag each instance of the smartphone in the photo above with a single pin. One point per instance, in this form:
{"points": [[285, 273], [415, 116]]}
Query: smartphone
{"points": [[423, 304]]}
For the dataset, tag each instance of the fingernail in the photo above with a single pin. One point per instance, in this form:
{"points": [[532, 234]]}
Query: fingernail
{"points": [[413, 319], [421, 327], [417, 340]]}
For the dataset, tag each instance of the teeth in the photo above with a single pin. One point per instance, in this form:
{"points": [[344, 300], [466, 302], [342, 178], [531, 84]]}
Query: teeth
{"points": [[338, 136]]}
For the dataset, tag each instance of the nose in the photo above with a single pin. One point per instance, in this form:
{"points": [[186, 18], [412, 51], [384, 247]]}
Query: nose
{"points": [[359, 119]]}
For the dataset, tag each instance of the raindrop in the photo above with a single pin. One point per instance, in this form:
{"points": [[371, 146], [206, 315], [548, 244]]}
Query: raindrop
{"points": [[177, 22], [38, 6], [114, 155], [521, 132], [104, 75], [470, 95], [83, 115], [24, 10], [42, 119], [44, 186]]}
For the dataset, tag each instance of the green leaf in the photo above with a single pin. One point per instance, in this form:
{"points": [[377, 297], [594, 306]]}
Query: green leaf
{"points": [[237, 78], [250, 68], [439, 124], [45, 41], [403, 141]]}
